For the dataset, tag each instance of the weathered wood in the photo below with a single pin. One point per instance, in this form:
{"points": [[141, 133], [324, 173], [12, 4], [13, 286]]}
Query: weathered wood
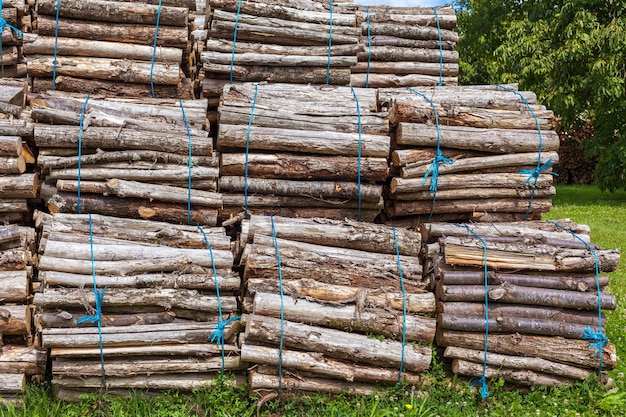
{"points": [[515, 205], [28, 360], [15, 319], [182, 382], [285, 11], [134, 189], [410, 31], [338, 344], [348, 317], [276, 60], [266, 200], [10, 234], [23, 128], [522, 377], [65, 319], [18, 206], [477, 193], [336, 212], [12, 165], [10, 146], [226, 46], [400, 68], [422, 16], [557, 349], [304, 75], [19, 186], [12, 383], [9, 55], [14, 285], [259, 381], [453, 181], [189, 349], [392, 53], [391, 80]]}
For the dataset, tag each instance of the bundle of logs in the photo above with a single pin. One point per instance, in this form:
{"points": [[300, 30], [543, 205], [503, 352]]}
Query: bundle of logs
{"points": [[16, 14], [160, 292], [330, 309], [406, 46], [108, 47], [293, 42], [19, 358], [140, 158], [469, 153], [18, 183], [533, 293], [302, 151]]}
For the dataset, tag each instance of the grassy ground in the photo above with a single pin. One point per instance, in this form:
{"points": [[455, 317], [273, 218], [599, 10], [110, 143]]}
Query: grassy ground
{"points": [[441, 396]]}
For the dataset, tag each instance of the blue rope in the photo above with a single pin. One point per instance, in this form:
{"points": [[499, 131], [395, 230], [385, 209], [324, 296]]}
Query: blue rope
{"points": [[484, 392], [433, 169], [56, 38], [3, 24], [395, 241], [330, 42], [282, 308], [245, 179], [369, 47], [218, 334], [440, 49], [99, 296], [156, 36], [232, 54], [80, 146], [358, 111], [588, 334], [189, 163]]}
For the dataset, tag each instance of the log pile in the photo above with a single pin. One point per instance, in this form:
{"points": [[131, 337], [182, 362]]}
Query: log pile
{"points": [[480, 156], [406, 46], [19, 358], [336, 305], [135, 161], [306, 151], [16, 14], [159, 306], [542, 300], [574, 166], [108, 47]]}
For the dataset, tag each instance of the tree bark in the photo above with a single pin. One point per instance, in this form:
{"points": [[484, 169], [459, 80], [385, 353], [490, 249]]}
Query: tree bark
{"points": [[259, 381]]}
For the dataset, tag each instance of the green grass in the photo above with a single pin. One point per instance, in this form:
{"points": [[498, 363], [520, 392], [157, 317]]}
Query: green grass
{"points": [[441, 396]]}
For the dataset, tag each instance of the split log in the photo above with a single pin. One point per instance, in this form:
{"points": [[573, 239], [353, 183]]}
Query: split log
{"points": [[14, 285], [259, 381], [15, 319], [181, 382], [19, 186], [22, 360], [338, 344], [522, 377], [365, 320], [313, 75]]}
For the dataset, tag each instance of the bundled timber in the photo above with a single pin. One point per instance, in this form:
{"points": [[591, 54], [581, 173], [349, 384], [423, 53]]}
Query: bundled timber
{"points": [[479, 153], [300, 157], [108, 45], [406, 46], [163, 294], [140, 158], [539, 302]]}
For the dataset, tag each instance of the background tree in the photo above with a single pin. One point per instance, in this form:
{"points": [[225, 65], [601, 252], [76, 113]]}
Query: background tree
{"points": [[570, 52]]}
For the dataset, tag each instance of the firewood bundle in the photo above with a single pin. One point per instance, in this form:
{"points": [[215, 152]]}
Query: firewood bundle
{"points": [[107, 47], [19, 358], [469, 153], [406, 46], [16, 13], [137, 159], [542, 303], [342, 299], [160, 303], [302, 151]]}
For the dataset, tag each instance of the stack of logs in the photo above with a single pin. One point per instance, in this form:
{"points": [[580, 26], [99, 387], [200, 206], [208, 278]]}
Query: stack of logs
{"points": [[490, 137], [17, 14], [575, 167], [278, 42], [107, 47], [298, 151], [135, 159], [542, 300], [406, 46], [335, 305], [159, 309], [17, 186], [19, 358]]}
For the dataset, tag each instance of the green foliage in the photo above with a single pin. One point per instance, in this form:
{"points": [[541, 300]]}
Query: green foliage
{"points": [[570, 52]]}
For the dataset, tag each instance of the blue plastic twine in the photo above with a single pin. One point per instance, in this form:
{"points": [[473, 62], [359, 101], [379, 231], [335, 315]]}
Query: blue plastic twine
{"points": [[330, 42], [3, 24], [395, 241], [369, 47], [218, 334], [358, 111], [440, 48], [588, 334], [282, 308], [484, 391], [99, 296], [56, 38], [245, 178], [433, 169], [189, 162], [156, 36], [80, 147], [232, 54]]}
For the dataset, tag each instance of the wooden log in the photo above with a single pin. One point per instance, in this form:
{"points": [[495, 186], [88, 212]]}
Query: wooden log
{"points": [[15, 319], [411, 43], [10, 234], [335, 213], [477, 193], [154, 192], [401, 68], [179, 382], [455, 181], [260, 200], [190, 349], [338, 344], [104, 69], [497, 140], [515, 205], [9, 55], [23, 128], [14, 285], [19, 186], [317, 142], [65, 319], [12, 383], [391, 80], [414, 16], [117, 12], [276, 60], [17, 206], [410, 31], [259, 381], [348, 317], [11, 146], [189, 4], [27, 360], [11, 165], [521, 377], [113, 32], [566, 351], [392, 53], [304, 75], [226, 46], [290, 166]]}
